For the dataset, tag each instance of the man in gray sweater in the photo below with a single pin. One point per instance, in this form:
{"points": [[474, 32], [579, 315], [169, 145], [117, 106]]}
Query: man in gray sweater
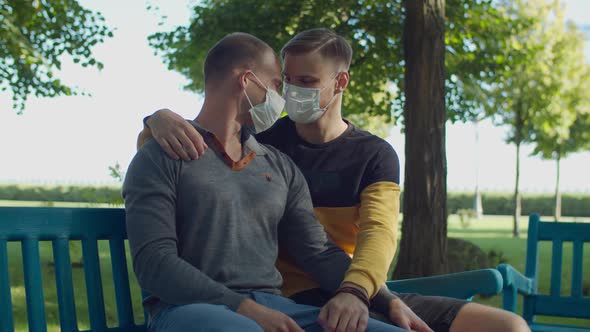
{"points": [[204, 234]]}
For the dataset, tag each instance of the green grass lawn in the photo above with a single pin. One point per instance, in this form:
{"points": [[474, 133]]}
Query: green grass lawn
{"points": [[490, 233]]}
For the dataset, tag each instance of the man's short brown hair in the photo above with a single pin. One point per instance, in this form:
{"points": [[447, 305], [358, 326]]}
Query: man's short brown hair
{"points": [[330, 45], [236, 50]]}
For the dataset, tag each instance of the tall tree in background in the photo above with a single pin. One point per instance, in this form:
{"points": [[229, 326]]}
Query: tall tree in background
{"points": [[374, 28], [524, 91], [425, 192], [558, 148], [565, 127], [35, 36]]}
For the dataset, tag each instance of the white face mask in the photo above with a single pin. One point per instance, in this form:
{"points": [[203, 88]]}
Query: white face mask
{"points": [[265, 114], [303, 104]]}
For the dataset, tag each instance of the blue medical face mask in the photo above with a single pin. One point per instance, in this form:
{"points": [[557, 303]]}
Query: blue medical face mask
{"points": [[303, 104]]}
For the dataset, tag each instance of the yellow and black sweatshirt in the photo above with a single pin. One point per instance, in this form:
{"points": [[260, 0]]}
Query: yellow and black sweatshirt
{"points": [[353, 181]]}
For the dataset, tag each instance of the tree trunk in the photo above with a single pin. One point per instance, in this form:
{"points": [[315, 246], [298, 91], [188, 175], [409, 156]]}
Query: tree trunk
{"points": [[557, 214], [517, 205], [424, 241]]}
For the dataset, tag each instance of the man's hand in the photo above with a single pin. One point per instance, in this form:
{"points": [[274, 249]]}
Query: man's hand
{"points": [[401, 315], [176, 136], [344, 313], [270, 320]]}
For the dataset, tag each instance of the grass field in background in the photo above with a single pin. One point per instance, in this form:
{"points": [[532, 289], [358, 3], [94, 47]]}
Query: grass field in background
{"points": [[490, 233]]}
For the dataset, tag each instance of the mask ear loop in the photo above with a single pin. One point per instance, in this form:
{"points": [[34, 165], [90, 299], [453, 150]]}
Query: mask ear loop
{"points": [[248, 98], [259, 81], [325, 108]]}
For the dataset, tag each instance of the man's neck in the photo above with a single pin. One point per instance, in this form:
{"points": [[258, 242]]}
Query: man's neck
{"points": [[218, 116], [327, 128]]}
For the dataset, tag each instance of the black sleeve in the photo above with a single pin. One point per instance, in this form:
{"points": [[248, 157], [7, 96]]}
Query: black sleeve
{"points": [[383, 166]]}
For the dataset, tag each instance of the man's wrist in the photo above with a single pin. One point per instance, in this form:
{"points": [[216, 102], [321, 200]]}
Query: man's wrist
{"points": [[355, 290], [246, 306], [381, 301]]}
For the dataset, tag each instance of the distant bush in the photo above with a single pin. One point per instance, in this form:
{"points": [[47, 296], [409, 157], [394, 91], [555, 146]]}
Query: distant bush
{"points": [[572, 205], [493, 203], [105, 194]]}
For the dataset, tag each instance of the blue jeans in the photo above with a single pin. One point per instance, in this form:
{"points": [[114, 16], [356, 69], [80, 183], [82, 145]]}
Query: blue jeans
{"points": [[202, 317]]}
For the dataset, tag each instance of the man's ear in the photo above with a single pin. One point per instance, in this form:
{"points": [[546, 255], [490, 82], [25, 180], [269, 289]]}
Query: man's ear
{"points": [[342, 81], [243, 79]]}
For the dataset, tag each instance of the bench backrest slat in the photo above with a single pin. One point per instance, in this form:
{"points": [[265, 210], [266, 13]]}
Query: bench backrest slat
{"points": [[6, 320], [554, 303], [578, 256], [120, 275], [532, 264], [33, 285], [64, 285], [556, 259], [94, 284]]}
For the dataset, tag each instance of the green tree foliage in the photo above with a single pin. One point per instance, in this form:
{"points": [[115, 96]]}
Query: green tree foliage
{"points": [[565, 126], [374, 29], [375, 124], [533, 96], [34, 38]]}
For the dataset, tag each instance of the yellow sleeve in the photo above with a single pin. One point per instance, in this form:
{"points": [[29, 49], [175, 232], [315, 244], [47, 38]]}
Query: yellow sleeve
{"points": [[377, 237], [143, 137]]}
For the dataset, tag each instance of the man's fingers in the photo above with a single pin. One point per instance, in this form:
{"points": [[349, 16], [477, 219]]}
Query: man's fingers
{"points": [[346, 322], [188, 145], [332, 323], [168, 149], [177, 147], [293, 327], [196, 139], [404, 323], [420, 326], [363, 323], [323, 317]]}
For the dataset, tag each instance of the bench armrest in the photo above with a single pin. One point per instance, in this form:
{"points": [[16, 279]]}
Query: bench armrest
{"points": [[514, 283], [461, 285]]}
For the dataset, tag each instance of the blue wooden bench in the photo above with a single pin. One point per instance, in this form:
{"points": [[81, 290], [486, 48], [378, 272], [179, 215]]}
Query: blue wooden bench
{"points": [[29, 226], [461, 285], [573, 305]]}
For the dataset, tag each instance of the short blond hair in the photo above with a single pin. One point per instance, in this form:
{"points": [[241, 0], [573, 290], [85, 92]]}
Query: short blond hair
{"points": [[330, 45]]}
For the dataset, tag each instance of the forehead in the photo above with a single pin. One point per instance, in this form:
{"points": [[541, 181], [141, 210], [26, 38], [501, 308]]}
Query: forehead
{"points": [[307, 64]]}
